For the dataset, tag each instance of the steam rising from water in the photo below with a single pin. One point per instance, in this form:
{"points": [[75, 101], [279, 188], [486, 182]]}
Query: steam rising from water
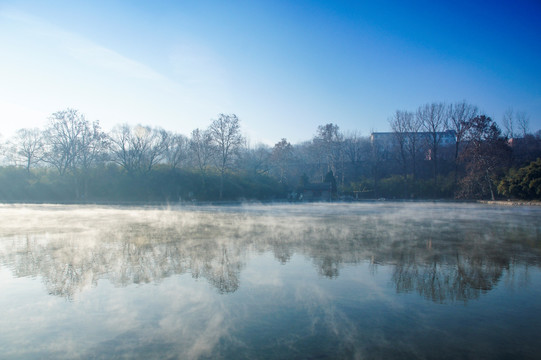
{"points": [[111, 262], [72, 247]]}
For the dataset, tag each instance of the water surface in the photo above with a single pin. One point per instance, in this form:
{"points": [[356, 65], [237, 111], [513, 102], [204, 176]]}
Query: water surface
{"points": [[371, 280]]}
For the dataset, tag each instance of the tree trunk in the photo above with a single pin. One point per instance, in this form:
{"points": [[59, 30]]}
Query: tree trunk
{"points": [[221, 184], [489, 182]]}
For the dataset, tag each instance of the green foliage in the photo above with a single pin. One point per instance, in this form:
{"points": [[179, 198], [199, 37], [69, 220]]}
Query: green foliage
{"points": [[400, 187], [329, 178], [524, 183], [111, 183], [393, 187], [303, 181], [361, 189], [14, 183]]}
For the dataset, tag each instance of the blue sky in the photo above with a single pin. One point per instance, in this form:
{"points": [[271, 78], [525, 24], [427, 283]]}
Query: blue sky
{"points": [[284, 67]]}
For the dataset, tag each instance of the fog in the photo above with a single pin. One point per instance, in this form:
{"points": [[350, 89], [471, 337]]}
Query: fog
{"points": [[378, 280], [442, 251]]}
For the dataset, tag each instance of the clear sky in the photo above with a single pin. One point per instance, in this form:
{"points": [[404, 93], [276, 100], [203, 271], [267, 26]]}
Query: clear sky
{"points": [[284, 67]]}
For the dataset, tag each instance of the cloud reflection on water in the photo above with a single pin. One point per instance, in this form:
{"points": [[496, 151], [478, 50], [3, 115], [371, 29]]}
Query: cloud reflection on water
{"points": [[285, 281]]}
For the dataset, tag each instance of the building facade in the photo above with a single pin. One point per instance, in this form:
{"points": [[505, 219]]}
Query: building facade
{"points": [[388, 143]]}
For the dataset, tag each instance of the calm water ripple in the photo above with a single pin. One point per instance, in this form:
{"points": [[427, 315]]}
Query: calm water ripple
{"points": [[369, 280]]}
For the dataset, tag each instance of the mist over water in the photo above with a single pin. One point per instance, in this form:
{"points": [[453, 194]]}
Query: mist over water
{"points": [[360, 280]]}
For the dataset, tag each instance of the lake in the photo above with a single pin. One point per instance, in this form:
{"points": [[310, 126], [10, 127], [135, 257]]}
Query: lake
{"points": [[378, 280]]}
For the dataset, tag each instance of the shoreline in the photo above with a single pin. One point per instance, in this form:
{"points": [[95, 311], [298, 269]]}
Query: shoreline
{"points": [[242, 202], [511, 202]]}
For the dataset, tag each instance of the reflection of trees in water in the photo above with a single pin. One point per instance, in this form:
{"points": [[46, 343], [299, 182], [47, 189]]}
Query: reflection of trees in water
{"points": [[465, 280], [441, 260], [66, 268], [460, 265]]}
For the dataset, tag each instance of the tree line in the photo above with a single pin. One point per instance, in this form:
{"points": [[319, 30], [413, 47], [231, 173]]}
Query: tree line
{"points": [[74, 159]]}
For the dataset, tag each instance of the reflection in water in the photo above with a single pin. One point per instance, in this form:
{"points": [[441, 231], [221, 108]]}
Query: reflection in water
{"points": [[374, 280], [445, 253]]}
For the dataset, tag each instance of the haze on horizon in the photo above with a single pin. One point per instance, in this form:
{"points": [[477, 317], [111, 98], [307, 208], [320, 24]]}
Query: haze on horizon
{"points": [[283, 67]]}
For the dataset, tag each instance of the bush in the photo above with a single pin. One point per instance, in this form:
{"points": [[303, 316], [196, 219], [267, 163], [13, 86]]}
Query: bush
{"points": [[524, 183]]}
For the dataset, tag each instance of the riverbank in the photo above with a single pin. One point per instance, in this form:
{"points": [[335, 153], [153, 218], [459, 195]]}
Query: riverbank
{"points": [[511, 202]]}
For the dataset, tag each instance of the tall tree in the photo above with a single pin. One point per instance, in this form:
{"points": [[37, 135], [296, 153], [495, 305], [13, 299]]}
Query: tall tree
{"points": [[523, 122], [508, 122], [202, 151], [27, 147], [137, 149], [62, 134], [121, 151], [515, 123], [413, 143], [482, 157], [400, 127], [460, 120], [281, 156], [434, 121], [353, 152], [73, 144], [305, 160], [91, 146], [176, 149], [328, 141], [406, 127], [226, 136], [255, 160], [379, 151]]}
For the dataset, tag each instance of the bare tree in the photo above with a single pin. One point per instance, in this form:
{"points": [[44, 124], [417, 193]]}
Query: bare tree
{"points": [[378, 153], [328, 141], [508, 122], [281, 156], [202, 151], [152, 143], [434, 121], [137, 149], [352, 147], [73, 144], [120, 147], [226, 136], [523, 122], [406, 128], [355, 153], [413, 143], [400, 125], [62, 135], [27, 147], [255, 160], [515, 119], [305, 161], [176, 148], [460, 121], [91, 146]]}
